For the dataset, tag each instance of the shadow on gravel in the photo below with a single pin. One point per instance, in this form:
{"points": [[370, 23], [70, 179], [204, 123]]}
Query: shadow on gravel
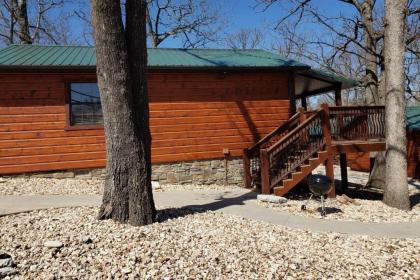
{"points": [[221, 202]]}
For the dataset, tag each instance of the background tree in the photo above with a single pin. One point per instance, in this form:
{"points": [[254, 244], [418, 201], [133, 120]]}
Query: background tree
{"points": [[396, 191], [245, 38], [358, 33], [121, 70], [37, 21], [194, 22]]}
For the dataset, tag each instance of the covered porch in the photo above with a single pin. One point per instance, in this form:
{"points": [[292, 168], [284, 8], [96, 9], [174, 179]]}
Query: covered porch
{"points": [[279, 161]]}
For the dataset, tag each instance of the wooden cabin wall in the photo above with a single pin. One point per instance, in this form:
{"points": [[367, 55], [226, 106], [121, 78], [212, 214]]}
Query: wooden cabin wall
{"points": [[193, 115], [361, 161]]}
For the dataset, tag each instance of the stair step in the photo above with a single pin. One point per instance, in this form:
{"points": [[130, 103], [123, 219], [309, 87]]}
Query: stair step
{"points": [[296, 175], [299, 174]]}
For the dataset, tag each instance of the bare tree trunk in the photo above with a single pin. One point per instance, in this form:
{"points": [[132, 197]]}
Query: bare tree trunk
{"points": [[121, 70], [371, 83], [396, 191], [20, 12]]}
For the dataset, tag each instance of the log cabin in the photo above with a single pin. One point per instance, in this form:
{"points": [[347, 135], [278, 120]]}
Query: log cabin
{"points": [[216, 116]]}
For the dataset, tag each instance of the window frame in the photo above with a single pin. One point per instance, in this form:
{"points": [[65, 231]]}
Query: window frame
{"points": [[69, 126]]}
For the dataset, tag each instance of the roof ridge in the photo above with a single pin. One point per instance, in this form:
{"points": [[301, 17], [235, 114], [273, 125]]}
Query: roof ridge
{"points": [[165, 48], [39, 45]]}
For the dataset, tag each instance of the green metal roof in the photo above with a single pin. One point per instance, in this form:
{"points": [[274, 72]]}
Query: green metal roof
{"points": [[412, 115], [27, 56]]}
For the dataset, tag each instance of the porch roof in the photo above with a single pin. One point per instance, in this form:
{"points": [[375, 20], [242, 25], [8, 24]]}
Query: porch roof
{"points": [[316, 81]]}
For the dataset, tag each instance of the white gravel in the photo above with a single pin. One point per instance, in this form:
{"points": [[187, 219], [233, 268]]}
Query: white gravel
{"points": [[40, 186], [197, 246]]}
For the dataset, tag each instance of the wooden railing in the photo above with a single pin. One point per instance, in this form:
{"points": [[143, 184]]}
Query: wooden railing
{"points": [[357, 122], [280, 153], [251, 156]]}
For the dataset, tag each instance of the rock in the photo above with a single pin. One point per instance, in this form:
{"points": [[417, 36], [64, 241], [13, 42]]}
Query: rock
{"points": [[156, 185], [32, 268], [341, 199], [351, 200], [53, 244], [126, 270], [271, 198], [6, 260], [86, 239], [7, 271]]}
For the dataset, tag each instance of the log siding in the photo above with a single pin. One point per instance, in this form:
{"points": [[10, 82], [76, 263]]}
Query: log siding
{"points": [[193, 115]]}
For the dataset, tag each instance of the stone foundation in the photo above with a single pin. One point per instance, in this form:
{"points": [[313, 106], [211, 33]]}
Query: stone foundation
{"points": [[205, 172]]}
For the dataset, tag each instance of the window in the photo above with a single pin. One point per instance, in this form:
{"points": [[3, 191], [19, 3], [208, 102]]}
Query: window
{"points": [[85, 104]]}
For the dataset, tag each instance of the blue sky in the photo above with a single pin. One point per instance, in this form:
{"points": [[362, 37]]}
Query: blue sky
{"points": [[246, 14], [238, 14]]}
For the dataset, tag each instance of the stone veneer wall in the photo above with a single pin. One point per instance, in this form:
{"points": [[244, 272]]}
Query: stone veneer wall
{"points": [[203, 172]]}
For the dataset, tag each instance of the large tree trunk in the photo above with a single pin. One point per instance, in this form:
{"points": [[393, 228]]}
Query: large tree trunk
{"points": [[371, 82], [20, 13], [396, 190], [121, 70]]}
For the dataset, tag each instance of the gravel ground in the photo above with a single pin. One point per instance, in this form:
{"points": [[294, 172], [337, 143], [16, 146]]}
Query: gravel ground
{"points": [[367, 211], [30, 186], [195, 246]]}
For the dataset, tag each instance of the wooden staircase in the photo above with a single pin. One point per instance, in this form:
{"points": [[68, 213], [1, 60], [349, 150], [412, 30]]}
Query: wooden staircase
{"points": [[300, 173], [286, 156]]}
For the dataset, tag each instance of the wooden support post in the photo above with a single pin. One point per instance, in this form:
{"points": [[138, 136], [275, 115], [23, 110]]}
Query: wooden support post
{"points": [[303, 102], [344, 178], [302, 116], [247, 169], [337, 95], [338, 102], [265, 172], [291, 93], [329, 163]]}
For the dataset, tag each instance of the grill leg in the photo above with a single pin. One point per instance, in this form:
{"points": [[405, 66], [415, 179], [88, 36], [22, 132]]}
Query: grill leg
{"points": [[323, 212]]}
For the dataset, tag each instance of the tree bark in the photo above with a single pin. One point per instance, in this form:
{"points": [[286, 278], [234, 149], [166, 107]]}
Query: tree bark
{"points": [[20, 13], [396, 190], [121, 70]]}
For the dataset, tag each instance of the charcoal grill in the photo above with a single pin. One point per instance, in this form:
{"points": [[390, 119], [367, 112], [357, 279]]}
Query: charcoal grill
{"points": [[319, 185]]}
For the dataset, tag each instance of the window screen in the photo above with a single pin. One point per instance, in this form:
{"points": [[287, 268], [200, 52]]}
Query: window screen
{"points": [[85, 104]]}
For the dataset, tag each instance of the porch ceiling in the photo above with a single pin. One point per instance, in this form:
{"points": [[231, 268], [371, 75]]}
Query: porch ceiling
{"points": [[314, 81]]}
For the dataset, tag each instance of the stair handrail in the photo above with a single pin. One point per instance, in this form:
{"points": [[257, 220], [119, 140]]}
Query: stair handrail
{"points": [[251, 162], [296, 129], [276, 131]]}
